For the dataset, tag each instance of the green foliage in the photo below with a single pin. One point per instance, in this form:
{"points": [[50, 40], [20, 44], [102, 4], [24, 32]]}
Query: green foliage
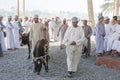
{"points": [[108, 6]]}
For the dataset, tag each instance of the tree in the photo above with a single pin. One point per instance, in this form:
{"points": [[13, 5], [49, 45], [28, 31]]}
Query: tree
{"points": [[91, 12], [116, 8], [111, 6], [18, 8]]}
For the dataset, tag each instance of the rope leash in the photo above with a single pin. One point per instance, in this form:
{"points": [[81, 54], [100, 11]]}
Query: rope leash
{"points": [[42, 57]]}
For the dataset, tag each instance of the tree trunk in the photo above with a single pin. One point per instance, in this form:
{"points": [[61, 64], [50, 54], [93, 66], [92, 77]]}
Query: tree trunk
{"points": [[116, 8], [23, 8], [91, 13], [18, 8]]}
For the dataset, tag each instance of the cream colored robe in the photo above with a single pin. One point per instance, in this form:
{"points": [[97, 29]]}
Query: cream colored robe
{"points": [[116, 45], [10, 35], [114, 36], [62, 31], [56, 29], [38, 31], [107, 34], [51, 25], [73, 52], [16, 34], [27, 26]]}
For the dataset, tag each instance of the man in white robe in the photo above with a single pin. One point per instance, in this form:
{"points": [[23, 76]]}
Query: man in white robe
{"points": [[10, 36], [73, 40], [107, 31], [56, 28], [51, 24], [116, 41], [16, 33], [113, 34], [2, 39], [26, 24], [38, 32]]}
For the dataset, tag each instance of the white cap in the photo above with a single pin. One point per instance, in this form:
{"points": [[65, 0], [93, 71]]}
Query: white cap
{"points": [[74, 19], [106, 18]]}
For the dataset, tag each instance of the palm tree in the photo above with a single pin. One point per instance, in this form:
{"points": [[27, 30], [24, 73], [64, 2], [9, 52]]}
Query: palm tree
{"points": [[23, 8], [116, 8], [111, 6], [91, 12], [18, 8]]}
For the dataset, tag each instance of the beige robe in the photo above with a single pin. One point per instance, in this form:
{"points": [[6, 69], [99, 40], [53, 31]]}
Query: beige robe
{"points": [[73, 52], [62, 31], [88, 34], [16, 34], [114, 36], [38, 32], [27, 26]]}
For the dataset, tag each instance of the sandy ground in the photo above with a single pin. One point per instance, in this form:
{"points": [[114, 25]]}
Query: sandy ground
{"points": [[15, 66]]}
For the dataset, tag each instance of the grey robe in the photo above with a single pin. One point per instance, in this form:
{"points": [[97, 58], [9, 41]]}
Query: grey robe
{"points": [[62, 31], [100, 33], [88, 33]]}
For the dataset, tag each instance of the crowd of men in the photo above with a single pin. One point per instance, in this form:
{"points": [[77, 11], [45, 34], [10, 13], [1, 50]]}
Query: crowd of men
{"points": [[14, 27], [11, 31], [108, 36], [72, 34], [68, 32]]}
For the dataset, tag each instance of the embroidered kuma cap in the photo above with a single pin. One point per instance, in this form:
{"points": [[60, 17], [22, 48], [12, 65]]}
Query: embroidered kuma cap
{"points": [[36, 16], [106, 18], [74, 19]]}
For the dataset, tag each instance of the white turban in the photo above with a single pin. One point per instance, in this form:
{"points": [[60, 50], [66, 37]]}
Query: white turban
{"points": [[74, 19]]}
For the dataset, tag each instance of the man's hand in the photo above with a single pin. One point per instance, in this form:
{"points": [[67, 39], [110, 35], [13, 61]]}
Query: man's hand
{"points": [[73, 43], [62, 46]]}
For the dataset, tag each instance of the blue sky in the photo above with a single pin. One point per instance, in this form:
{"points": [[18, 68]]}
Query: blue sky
{"points": [[53, 5]]}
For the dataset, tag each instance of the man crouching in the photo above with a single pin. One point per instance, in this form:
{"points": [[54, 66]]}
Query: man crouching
{"points": [[73, 40]]}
